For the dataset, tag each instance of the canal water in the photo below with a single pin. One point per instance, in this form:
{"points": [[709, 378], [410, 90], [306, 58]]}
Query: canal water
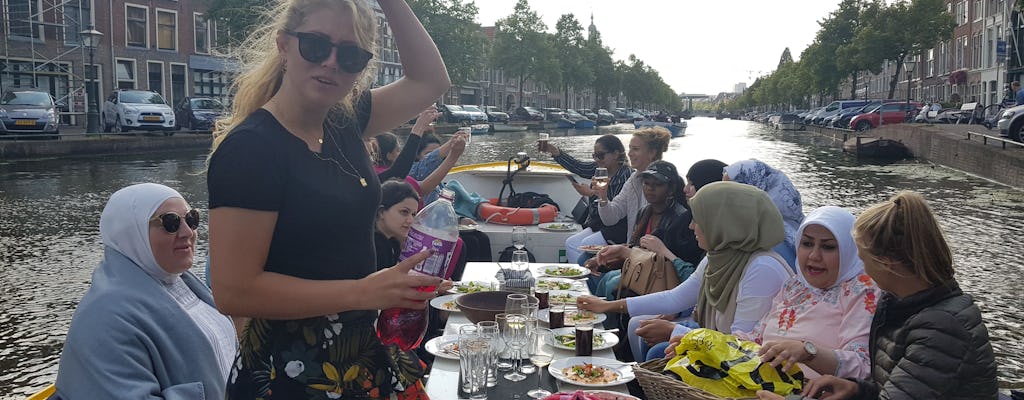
{"points": [[49, 238]]}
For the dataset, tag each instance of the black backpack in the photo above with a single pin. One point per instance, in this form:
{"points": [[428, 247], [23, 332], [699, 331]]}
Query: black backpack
{"points": [[530, 200], [506, 255]]}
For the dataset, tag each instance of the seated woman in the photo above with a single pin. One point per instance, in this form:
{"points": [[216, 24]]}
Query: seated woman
{"points": [[928, 340], [147, 327], [609, 153], [822, 316], [662, 227], [392, 161], [783, 194], [732, 287], [399, 203]]}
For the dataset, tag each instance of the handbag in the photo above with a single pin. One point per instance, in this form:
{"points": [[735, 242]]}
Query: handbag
{"points": [[646, 272]]}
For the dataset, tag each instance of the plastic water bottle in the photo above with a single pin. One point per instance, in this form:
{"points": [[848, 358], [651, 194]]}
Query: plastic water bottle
{"points": [[436, 228]]}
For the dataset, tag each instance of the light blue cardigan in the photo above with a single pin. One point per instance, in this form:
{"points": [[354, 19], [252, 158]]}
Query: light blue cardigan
{"points": [[130, 340]]}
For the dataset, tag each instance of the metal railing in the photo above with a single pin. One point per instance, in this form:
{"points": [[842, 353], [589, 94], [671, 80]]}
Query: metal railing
{"points": [[46, 136], [985, 138]]}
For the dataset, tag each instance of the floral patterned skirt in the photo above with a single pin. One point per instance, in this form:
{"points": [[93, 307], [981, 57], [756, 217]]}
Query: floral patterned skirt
{"points": [[321, 358]]}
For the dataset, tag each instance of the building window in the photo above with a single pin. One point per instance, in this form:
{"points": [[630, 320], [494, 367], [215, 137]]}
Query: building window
{"points": [[125, 73], [931, 62], [76, 18], [208, 83], [177, 82], [136, 21], [20, 14], [978, 11], [156, 76], [202, 33], [166, 30]]}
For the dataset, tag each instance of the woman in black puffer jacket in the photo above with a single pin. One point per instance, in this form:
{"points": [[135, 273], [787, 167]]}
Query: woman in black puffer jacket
{"points": [[928, 340]]}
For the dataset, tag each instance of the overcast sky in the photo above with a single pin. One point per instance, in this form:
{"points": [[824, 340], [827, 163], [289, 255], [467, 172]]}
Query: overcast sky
{"points": [[698, 46]]}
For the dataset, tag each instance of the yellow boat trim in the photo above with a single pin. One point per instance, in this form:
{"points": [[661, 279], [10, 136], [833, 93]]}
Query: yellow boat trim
{"points": [[534, 166], [44, 393]]}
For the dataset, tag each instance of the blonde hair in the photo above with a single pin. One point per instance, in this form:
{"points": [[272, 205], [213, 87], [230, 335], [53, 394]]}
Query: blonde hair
{"points": [[262, 71], [656, 138], [903, 230]]}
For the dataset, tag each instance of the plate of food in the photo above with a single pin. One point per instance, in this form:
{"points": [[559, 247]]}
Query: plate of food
{"points": [[591, 371], [565, 338], [592, 248], [564, 271], [558, 227], [446, 346], [590, 395], [445, 303], [559, 284], [563, 297], [465, 287], [572, 316], [467, 227]]}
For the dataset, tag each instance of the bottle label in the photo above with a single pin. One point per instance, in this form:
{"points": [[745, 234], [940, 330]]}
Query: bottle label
{"points": [[435, 265]]}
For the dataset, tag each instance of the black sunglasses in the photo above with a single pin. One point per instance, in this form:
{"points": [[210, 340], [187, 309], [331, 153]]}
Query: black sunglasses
{"points": [[598, 156], [315, 48], [171, 222]]}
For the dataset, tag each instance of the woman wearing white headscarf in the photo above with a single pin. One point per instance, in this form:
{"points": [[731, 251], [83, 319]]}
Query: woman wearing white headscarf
{"points": [[822, 316], [782, 192], [147, 327]]}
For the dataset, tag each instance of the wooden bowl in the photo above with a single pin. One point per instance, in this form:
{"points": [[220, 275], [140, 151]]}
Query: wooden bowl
{"points": [[482, 306]]}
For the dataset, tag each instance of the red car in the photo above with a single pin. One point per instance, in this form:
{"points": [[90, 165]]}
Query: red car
{"points": [[889, 113]]}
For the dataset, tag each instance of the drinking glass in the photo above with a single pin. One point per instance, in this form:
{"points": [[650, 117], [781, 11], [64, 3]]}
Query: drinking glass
{"points": [[519, 237], [504, 356], [490, 332], [515, 335], [472, 356], [514, 303], [600, 177], [541, 355], [520, 263], [542, 142], [530, 312]]}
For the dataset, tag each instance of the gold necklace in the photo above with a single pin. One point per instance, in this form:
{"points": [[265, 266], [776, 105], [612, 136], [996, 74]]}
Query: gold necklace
{"points": [[356, 174]]}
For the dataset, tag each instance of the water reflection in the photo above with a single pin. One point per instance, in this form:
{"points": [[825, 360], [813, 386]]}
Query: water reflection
{"points": [[49, 238]]}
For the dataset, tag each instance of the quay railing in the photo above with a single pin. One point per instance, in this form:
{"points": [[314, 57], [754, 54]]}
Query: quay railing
{"points": [[985, 139]]}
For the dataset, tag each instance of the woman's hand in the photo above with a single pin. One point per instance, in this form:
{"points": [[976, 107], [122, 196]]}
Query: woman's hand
{"points": [[673, 342], [394, 287], [445, 286], [653, 243], [593, 266], [593, 303], [549, 148], [655, 330], [583, 190], [423, 121], [828, 387], [766, 395], [612, 255], [783, 352], [600, 192], [458, 147]]}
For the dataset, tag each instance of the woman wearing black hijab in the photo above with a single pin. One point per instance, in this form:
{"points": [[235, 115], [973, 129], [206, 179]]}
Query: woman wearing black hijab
{"points": [[702, 173]]}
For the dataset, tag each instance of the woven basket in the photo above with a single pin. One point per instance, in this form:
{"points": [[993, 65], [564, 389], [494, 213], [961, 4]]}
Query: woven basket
{"points": [[658, 386]]}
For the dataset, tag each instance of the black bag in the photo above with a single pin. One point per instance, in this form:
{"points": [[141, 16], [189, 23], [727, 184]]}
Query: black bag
{"points": [[530, 200], [581, 212], [506, 255]]}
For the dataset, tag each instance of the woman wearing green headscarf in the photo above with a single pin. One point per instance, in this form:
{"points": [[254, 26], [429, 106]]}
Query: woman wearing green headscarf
{"points": [[733, 287]]}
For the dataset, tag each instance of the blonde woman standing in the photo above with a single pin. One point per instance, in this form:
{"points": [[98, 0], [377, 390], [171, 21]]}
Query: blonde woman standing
{"points": [[293, 198]]}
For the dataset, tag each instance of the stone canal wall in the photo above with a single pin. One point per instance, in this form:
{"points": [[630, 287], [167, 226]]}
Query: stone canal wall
{"points": [[100, 145], [950, 146]]}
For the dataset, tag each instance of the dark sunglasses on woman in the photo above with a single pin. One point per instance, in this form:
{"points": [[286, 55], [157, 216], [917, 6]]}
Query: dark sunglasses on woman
{"points": [[315, 48], [599, 155], [171, 222]]}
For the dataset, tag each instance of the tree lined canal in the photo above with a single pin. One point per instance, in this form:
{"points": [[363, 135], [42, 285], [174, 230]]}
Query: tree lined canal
{"points": [[49, 228]]}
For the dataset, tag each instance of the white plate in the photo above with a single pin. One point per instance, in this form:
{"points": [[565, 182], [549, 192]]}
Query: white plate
{"points": [[558, 227], [593, 248], [610, 339], [543, 316], [580, 271], [441, 346], [573, 284], [625, 371], [482, 286], [441, 303], [563, 297], [468, 228]]}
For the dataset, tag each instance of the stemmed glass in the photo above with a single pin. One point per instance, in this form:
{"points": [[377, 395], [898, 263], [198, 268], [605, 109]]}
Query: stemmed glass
{"points": [[540, 355], [519, 237], [515, 334], [520, 262], [600, 178], [503, 365]]}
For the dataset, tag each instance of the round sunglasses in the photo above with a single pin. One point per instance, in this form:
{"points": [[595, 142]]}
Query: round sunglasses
{"points": [[171, 222], [315, 48]]}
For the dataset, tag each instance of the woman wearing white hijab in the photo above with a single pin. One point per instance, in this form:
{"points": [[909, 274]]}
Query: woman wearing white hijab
{"points": [[147, 327], [782, 192], [821, 318]]}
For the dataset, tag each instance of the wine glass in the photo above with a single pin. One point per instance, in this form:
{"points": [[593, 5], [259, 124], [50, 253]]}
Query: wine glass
{"points": [[515, 334], [520, 262], [600, 177], [519, 237], [514, 303], [540, 355]]}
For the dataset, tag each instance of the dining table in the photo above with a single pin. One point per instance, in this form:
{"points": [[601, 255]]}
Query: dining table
{"points": [[443, 382]]}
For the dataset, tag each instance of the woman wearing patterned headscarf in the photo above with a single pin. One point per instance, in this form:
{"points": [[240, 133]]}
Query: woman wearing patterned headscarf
{"points": [[782, 192]]}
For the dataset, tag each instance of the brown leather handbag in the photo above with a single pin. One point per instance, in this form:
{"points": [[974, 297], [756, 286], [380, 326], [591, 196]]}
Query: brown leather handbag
{"points": [[646, 272]]}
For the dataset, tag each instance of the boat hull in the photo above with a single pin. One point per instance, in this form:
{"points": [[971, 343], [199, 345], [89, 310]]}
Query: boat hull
{"points": [[585, 124], [676, 129], [507, 128]]}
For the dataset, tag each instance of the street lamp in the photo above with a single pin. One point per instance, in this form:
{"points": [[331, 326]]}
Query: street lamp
{"points": [[90, 39], [909, 63]]}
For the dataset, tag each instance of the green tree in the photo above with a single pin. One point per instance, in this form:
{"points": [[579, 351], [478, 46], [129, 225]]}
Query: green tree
{"points": [[451, 23], [575, 71], [605, 80], [237, 19], [520, 44]]}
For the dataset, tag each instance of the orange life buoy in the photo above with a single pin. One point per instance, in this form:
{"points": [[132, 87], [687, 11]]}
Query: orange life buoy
{"points": [[496, 214]]}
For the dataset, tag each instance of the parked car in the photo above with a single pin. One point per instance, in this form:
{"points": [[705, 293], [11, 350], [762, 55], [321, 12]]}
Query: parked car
{"points": [[475, 113], [454, 114], [553, 114], [604, 117], [1011, 123], [198, 113], [888, 113], [29, 112], [587, 113], [572, 115], [528, 114], [494, 114], [137, 109]]}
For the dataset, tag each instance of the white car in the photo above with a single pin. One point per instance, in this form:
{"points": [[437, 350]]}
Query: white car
{"points": [[1011, 122], [137, 109]]}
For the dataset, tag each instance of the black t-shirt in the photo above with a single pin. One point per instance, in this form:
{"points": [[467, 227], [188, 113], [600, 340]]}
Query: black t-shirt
{"points": [[325, 219]]}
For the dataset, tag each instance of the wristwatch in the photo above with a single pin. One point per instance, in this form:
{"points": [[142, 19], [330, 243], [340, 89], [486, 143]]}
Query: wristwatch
{"points": [[810, 349]]}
